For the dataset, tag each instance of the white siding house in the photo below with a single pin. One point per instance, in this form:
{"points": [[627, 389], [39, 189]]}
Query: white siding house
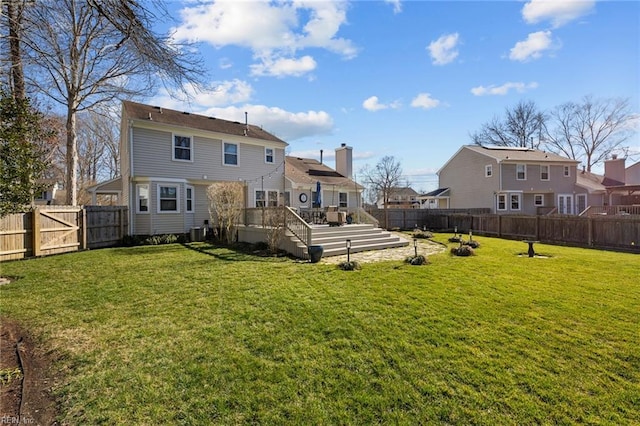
{"points": [[169, 158]]}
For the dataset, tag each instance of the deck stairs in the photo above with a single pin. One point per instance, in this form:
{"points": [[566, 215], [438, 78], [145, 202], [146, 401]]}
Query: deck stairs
{"points": [[363, 237]]}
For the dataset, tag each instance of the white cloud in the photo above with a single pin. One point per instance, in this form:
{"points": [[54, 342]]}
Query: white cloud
{"points": [[443, 50], [532, 47], [559, 12], [286, 125], [220, 93], [272, 30], [397, 5], [282, 67], [504, 89], [373, 104], [425, 101]]}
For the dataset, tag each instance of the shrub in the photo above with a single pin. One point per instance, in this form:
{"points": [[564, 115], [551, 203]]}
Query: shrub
{"points": [[463, 251], [455, 239], [353, 265], [472, 244], [422, 234], [417, 260]]}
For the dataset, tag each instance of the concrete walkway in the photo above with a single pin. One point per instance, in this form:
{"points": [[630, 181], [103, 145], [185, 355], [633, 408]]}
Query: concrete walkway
{"points": [[425, 248]]}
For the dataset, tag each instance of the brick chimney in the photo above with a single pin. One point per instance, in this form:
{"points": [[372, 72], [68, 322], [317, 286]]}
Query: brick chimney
{"points": [[344, 160], [614, 171]]}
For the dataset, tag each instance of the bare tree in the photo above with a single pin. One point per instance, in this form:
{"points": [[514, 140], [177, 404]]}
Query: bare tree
{"points": [[81, 53], [226, 203], [589, 131], [382, 179], [521, 127]]}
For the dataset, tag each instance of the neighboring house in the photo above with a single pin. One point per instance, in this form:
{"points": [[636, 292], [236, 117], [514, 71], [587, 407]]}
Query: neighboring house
{"points": [[53, 193], [510, 180], [169, 158], [622, 184], [436, 199], [401, 198], [337, 187]]}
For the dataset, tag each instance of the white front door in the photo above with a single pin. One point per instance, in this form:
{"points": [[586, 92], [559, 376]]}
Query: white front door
{"points": [[565, 204]]}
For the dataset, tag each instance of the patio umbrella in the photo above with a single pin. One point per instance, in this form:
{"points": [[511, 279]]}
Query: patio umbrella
{"points": [[318, 194]]}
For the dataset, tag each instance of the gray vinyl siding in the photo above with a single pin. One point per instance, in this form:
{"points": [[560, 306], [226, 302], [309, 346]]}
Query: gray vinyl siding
{"points": [[557, 181], [153, 162], [464, 174], [153, 156]]}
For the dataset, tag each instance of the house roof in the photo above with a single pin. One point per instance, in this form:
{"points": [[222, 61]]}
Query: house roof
{"points": [[514, 154], [307, 171], [162, 115], [590, 181], [404, 191], [437, 192]]}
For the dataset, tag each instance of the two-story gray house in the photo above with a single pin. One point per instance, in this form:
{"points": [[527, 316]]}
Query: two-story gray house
{"points": [[510, 180], [169, 158]]}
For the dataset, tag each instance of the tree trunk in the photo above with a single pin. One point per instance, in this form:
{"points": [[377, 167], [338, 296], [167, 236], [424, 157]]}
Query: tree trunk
{"points": [[14, 16], [72, 159]]}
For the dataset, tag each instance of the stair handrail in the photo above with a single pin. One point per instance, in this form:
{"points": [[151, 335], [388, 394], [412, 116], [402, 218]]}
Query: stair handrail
{"points": [[364, 217], [297, 226]]}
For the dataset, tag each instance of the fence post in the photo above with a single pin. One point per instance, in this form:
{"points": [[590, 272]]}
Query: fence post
{"points": [[35, 231], [589, 231], [537, 227], [82, 218]]}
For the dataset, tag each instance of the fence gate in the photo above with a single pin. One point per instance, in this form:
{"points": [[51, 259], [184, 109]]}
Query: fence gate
{"points": [[57, 230]]}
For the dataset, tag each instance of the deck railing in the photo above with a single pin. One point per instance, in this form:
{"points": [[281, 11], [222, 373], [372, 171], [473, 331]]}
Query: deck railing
{"points": [[611, 210], [298, 227]]}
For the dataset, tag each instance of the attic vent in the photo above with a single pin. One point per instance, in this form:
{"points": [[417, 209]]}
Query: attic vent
{"points": [[185, 113], [150, 117]]}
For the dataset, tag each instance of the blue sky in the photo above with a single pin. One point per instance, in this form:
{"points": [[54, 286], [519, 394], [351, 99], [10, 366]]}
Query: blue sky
{"points": [[411, 79]]}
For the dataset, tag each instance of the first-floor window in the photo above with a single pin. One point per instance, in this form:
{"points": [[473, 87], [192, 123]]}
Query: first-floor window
{"points": [[143, 198], [538, 200], [168, 198], [502, 201], [266, 198], [515, 201], [343, 199], [189, 199]]}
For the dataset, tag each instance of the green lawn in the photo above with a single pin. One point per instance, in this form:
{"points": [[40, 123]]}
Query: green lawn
{"points": [[199, 335]]}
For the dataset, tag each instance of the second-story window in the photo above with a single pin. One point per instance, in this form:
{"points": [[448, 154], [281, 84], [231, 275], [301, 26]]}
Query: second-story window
{"points": [[544, 172], [230, 154], [182, 148], [521, 171], [268, 155], [488, 170], [566, 171]]}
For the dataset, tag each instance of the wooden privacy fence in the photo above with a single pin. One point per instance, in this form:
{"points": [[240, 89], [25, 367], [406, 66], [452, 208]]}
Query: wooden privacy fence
{"points": [[59, 229], [618, 232]]}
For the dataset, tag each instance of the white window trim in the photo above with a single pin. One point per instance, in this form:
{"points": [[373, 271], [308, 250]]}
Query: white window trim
{"points": [[138, 186], [498, 202], [541, 200], [566, 171], [346, 196], [525, 171], [193, 199], [548, 171], [173, 148], [177, 210], [266, 191], [488, 170], [273, 155], [237, 154], [516, 194]]}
